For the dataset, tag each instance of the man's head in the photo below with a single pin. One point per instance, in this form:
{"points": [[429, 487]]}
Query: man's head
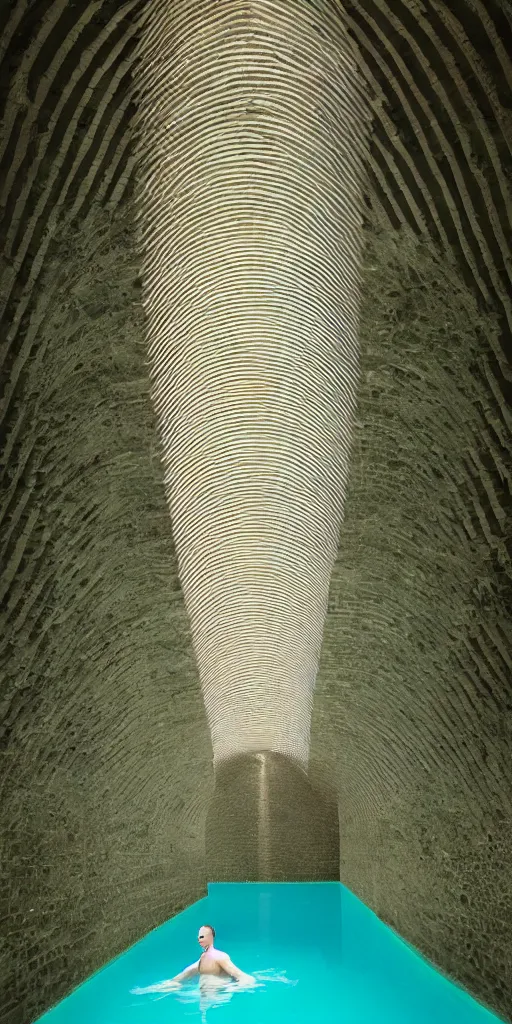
{"points": [[206, 936]]}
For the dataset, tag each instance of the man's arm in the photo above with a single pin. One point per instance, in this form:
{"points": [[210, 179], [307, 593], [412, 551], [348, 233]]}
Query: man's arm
{"points": [[229, 967], [187, 973], [168, 986]]}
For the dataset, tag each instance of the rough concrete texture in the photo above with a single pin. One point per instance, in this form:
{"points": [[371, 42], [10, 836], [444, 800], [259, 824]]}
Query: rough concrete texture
{"points": [[267, 823], [106, 758], [413, 712], [105, 751]]}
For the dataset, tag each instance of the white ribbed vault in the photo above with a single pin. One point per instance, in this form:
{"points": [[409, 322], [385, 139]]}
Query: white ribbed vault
{"points": [[252, 134]]}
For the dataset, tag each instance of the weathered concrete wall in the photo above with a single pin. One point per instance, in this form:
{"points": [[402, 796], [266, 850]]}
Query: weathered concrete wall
{"points": [[413, 712], [105, 760], [105, 754], [414, 698], [106, 757]]}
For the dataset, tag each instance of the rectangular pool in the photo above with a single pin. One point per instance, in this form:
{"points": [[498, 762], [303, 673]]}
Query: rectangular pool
{"points": [[318, 954]]}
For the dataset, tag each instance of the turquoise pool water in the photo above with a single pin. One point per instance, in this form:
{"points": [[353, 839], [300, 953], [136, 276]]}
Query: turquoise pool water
{"points": [[318, 954]]}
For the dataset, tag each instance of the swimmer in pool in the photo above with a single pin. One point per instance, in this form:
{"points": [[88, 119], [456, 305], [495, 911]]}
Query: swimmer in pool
{"points": [[212, 963]]}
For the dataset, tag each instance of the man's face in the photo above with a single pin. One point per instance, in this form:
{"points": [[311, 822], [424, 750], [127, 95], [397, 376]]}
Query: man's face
{"points": [[204, 938]]}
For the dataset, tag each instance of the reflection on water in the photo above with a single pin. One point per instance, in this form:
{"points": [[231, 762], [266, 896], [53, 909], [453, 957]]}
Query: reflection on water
{"points": [[211, 991]]}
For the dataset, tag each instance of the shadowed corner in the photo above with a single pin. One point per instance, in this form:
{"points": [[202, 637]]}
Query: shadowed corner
{"points": [[268, 823]]}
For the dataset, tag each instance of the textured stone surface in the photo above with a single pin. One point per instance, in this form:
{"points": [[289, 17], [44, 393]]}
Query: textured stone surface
{"points": [[106, 757], [105, 751], [267, 823], [412, 718]]}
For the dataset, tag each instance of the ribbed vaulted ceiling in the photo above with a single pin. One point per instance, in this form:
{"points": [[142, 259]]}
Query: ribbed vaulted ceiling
{"points": [[106, 750], [252, 138]]}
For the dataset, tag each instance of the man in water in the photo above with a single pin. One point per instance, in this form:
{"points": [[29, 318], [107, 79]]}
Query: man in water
{"points": [[212, 962]]}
